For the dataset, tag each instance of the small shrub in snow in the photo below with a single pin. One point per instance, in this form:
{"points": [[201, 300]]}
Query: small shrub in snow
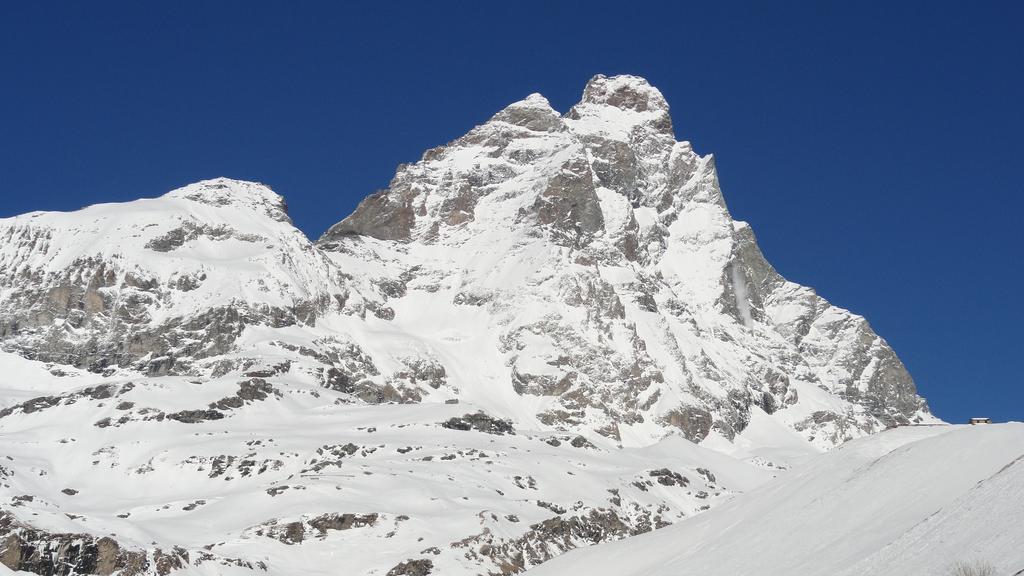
{"points": [[973, 568]]}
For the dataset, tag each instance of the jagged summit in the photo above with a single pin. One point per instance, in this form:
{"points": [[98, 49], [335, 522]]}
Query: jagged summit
{"points": [[624, 91], [533, 113], [537, 168], [618, 106]]}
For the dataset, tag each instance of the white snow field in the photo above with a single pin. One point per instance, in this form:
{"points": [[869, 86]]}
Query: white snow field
{"points": [[232, 487], [910, 501]]}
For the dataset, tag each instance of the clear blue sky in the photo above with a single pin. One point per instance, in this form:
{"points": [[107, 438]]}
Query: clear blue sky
{"points": [[876, 147]]}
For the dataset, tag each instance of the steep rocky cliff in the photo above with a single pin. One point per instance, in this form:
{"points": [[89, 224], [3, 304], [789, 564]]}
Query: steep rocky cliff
{"points": [[612, 283]]}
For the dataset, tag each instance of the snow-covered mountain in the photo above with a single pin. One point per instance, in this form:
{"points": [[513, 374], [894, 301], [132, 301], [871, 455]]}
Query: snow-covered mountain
{"points": [[546, 334], [610, 286]]}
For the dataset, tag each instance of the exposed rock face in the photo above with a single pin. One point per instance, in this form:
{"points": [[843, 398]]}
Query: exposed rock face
{"points": [[481, 422], [39, 552], [297, 531], [67, 554], [420, 567], [552, 537], [459, 365]]}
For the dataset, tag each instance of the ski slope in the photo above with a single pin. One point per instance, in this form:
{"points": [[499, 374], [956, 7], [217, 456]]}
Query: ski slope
{"points": [[910, 501]]}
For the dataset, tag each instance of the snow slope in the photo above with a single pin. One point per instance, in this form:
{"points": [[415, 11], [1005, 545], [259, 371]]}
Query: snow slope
{"points": [[263, 487], [910, 501]]}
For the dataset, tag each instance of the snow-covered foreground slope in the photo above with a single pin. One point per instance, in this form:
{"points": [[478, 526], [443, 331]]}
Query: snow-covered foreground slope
{"points": [[294, 481], [910, 501], [546, 334]]}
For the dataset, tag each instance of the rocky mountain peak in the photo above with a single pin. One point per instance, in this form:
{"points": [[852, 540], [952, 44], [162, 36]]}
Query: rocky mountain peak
{"points": [[625, 92], [543, 169], [566, 228], [533, 113], [617, 106], [239, 194]]}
